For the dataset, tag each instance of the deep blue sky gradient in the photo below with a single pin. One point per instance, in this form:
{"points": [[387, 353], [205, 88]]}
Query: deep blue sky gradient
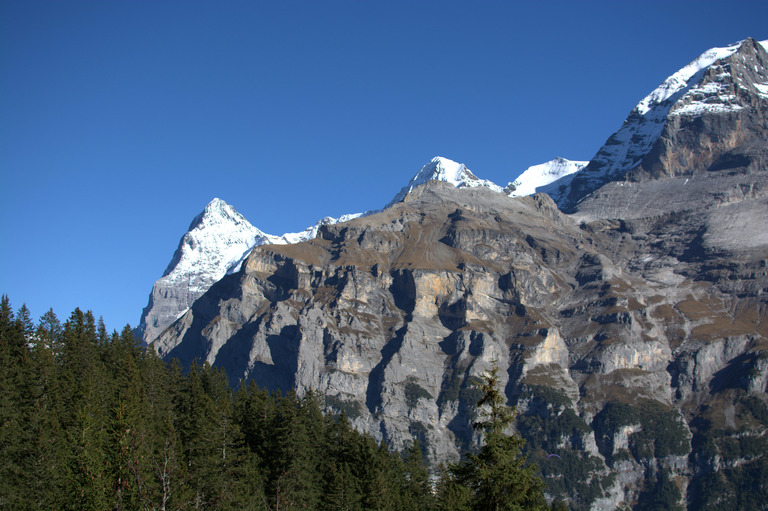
{"points": [[121, 120]]}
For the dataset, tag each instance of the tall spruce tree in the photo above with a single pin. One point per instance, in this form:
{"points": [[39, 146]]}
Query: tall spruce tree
{"points": [[497, 476], [15, 441]]}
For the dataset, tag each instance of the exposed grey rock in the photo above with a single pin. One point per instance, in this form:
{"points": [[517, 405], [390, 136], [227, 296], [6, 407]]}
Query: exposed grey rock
{"points": [[632, 331]]}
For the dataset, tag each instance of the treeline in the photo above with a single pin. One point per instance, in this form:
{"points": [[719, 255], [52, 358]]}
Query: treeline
{"points": [[91, 420]]}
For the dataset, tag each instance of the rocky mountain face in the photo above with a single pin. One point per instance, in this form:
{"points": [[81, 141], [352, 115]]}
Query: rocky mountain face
{"points": [[445, 170], [216, 243], [630, 313]]}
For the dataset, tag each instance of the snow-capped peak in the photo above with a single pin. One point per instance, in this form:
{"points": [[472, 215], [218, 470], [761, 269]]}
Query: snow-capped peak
{"points": [[536, 177], [218, 213], [682, 79], [449, 171], [687, 92], [214, 242]]}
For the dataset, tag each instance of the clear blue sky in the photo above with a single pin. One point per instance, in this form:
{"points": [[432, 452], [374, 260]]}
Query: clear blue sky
{"points": [[121, 120]]}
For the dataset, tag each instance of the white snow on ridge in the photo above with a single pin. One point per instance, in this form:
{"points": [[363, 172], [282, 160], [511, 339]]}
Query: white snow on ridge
{"points": [[311, 232], [681, 79], [220, 239], [443, 169], [680, 94], [217, 242], [214, 243], [538, 176]]}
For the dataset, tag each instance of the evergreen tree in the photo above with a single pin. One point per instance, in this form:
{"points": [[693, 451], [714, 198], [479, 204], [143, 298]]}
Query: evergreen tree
{"points": [[340, 466], [45, 424], [49, 332], [15, 440], [26, 325], [416, 491], [497, 476], [382, 478], [450, 494], [295, 479], [339, 493], [85, 392], [94, 421], [129, 466]]}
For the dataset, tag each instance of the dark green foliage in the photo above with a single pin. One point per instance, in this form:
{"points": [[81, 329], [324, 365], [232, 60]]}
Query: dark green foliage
{"points": [[549, 430], [92, 420], [743, 487], [351, 409], [459, 389], [548, 425], [661, 431], [573, 472], [756, 407], [662, 434], [414, 392], [734, 463], [497, 477], [663, 494], [16, 376]]}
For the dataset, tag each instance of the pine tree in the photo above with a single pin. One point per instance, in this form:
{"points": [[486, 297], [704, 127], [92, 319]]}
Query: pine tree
{"points": [[341, 484], [339, 493], [160, 483], [416, 491], [49, 332], [85, 392], [15, 441], [497, 476], [450, 494], [295, 480], [24, 319], [129, 466], [50, 441]]}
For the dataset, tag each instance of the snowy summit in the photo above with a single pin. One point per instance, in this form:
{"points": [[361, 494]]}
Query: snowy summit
{"points": [[449, 171], [537, 177]]}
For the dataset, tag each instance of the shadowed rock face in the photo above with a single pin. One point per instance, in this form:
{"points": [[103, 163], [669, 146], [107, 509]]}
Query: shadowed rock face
{"points": [[716, 121], [394, 316], [633, 331]]}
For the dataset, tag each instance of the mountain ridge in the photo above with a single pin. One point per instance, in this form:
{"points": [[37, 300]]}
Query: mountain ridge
{"points": [[630, 328], [558, 178]]}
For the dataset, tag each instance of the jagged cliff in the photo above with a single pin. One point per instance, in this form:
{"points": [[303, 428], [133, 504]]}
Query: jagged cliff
{"points": [[633, 330]]}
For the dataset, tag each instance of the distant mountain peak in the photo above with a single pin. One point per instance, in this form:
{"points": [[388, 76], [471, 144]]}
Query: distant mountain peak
{"points": [[449, 171], [710, 84], [218, 213], [214, 245], [684, 78], [536, 177]]}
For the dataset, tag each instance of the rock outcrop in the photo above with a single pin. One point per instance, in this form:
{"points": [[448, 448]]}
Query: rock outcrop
{"points": [[633, 331], [215, 243]]}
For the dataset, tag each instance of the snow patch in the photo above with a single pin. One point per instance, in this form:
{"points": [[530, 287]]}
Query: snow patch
{"points": [[443, 169], [683, 77], [534, 178]]}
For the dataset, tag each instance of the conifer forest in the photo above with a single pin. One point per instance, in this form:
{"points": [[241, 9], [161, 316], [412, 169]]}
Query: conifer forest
{"points": [[93, 420]]}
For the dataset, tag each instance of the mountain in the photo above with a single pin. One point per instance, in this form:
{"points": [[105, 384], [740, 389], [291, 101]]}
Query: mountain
{"points": [[537, 178], [219, 238], [628, 310], [722, 84], [215, 244], [443, 169]]}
